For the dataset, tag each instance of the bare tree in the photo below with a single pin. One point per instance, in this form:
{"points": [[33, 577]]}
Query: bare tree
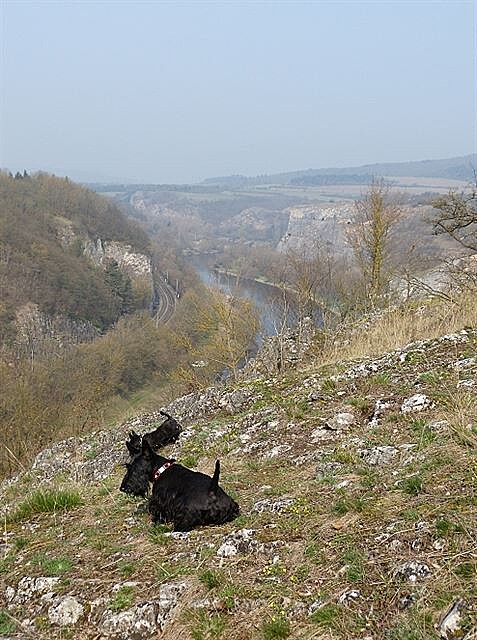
{"points": [[310, 270], [370, 237], [457, 216], [232, 324]]}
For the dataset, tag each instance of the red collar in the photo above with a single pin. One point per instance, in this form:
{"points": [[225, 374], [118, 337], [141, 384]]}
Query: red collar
{"points": [[158, 472]]}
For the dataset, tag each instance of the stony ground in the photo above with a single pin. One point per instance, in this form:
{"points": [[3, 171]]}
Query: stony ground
{"points": [[358, 491]]}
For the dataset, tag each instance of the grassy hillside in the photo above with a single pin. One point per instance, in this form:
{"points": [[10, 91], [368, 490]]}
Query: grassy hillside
{"points": [[355, 473]]}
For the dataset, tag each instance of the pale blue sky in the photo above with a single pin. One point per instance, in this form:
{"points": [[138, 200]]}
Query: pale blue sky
{"points": [[179, 91]]}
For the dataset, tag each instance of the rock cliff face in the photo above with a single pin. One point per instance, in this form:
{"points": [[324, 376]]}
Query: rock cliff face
{"points": [[356, 485], [316, 226], [131, 262], [38, 334]]}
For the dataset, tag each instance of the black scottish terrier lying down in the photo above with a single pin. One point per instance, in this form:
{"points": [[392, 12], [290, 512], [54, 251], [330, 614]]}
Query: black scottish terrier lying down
{"points": [[166, 433], [184, 497]]}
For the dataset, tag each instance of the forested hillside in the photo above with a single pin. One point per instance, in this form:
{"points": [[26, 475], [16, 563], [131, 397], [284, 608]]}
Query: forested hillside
{"points": [[45, 223]]}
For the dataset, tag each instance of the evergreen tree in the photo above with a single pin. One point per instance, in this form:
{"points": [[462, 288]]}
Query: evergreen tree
{"points": [[120, 285]]}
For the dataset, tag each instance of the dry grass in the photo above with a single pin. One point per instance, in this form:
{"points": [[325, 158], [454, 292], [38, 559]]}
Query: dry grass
{"points": [[398, 327]]}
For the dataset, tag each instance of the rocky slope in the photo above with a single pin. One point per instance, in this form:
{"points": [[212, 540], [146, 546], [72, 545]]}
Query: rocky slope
{"points": [[358, 493]]}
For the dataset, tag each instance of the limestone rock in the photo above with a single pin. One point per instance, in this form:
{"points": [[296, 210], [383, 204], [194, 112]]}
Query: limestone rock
{"points": [[245, 542], [450, 625], [413, 570], [65, 611], [235, 401], [349, 596], [341, 421], [144, 619], [315, 606], [273, 506], [135, 623], [417, 402], [28, 588], [378, 455], [379, 408], [241, 541]]}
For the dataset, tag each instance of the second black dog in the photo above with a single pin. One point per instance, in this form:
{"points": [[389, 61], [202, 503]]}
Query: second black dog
{"points": [[186, 498], [166, 433]]}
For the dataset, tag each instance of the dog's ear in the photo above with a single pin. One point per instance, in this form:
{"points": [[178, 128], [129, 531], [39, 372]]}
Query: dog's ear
{"points": [[147, 451], [214, 483]]}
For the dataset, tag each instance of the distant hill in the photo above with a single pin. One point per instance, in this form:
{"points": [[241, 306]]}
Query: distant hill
{"points": [[459, 168]]}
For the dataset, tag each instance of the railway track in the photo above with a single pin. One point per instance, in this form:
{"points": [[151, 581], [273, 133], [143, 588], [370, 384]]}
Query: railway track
{"points": [[166, 302]]}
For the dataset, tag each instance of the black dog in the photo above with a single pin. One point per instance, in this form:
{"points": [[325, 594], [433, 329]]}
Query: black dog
{"points": [[186, 498], [134, 444], [166, 433]]}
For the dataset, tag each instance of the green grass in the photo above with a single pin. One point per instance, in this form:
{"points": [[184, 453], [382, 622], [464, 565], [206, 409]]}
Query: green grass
{"points": [[433, 378], [7, 625], [277, 627], [170, 570], [410, 515], [419, 626], [20, 542], [6, 563], [381, 378], [420, 430], [210, 579], [122, 599], [314, 553], [126, 569], [229, 595], [53, 566], [327, 616], [362, 404], [205, 625], [466, 570], [345, 457], [412, 485], [47, 501], [92, 452], [446, 528], [355, 571], [328, 385], [190, 460], [156, 534], [346, 504]]}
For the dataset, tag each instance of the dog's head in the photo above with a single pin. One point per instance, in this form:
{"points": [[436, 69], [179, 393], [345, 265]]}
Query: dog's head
{"points": [[171, 425], [140, 471]]}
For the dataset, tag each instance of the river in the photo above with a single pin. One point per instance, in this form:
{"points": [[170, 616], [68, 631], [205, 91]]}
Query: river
{"points": [[276, 308]]}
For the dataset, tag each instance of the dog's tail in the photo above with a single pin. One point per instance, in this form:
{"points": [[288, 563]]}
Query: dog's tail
{"points": [[166, 415], [214, 483]]}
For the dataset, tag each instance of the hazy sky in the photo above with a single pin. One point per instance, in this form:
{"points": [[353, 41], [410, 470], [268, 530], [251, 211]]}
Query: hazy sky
{"points": [[179, 91]]}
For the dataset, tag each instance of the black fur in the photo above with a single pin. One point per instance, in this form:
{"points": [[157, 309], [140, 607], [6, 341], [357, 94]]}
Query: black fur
{"points": [[186, 498], [166, 433], [134, 443]]}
